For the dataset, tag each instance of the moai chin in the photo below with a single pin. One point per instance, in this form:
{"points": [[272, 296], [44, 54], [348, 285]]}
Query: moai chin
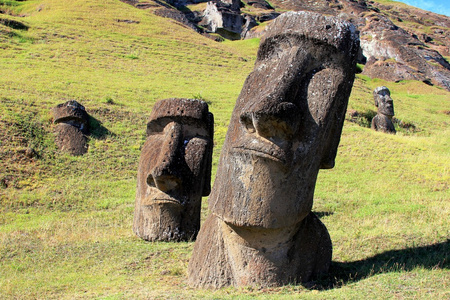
{"points": [[383, 101], [174, 170], [286, 125], [71, 121]]}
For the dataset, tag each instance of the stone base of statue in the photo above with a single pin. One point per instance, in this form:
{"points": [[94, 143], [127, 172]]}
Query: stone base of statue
{"points": [[383, 123], [225, 255]]}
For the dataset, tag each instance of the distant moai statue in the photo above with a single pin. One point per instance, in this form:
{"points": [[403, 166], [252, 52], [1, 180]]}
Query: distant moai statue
{"points": [[286, 125], [72, 122], [174, 170], [383, 101]]}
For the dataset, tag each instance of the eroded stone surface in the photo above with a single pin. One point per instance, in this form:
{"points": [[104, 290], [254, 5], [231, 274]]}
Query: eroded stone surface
{"points": [[383, 101], [174, 170], [71, 121], [286, 125], [223, 15]]}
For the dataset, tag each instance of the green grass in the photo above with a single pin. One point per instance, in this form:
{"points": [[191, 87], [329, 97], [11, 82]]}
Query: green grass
{"points": [[65, 222]]}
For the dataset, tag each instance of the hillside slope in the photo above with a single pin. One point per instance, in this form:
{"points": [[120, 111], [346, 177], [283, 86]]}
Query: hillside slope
{"points": [[65, 222], [398, 42]]}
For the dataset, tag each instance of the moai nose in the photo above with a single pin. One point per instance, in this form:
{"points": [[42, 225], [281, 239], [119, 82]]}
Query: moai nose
{"points": [[166, 174], [277, 123], [164, 183]]}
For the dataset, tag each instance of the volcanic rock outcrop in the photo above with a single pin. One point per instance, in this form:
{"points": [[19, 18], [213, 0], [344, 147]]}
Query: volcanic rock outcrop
{"points": [[174, 170], [223, 15], [398, 42], [286, 125]]}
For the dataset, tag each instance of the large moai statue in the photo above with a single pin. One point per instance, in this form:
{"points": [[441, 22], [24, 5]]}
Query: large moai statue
{"points": [[72, 122], [383, 101], [286, 125], [174, 170]]}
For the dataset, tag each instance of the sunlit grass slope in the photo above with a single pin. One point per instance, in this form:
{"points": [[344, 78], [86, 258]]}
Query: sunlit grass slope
{"points": [[65, 222]]}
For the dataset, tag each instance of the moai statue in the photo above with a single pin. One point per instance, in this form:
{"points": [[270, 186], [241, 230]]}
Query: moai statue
{"points": [[383, 120], [72, 126], [174, 170], [286, 125]]}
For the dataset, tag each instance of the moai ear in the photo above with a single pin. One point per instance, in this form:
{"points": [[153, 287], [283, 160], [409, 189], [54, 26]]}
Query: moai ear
{"points": [[208, 167], [330, 150], [332, 135]]}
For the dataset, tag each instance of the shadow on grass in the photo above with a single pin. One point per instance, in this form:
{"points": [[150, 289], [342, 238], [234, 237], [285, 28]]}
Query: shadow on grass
{"points": [[428, 257], [321, 214], [97, 130]]}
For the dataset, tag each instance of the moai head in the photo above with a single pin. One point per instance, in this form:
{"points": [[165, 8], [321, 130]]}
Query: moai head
{"points": [[383, 101], [287, 122], [174, 170], [72, 125]]}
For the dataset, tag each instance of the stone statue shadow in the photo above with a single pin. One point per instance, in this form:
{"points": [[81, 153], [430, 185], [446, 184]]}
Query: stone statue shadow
{"points": [[97, 130], [321, 214], [428, 257]]}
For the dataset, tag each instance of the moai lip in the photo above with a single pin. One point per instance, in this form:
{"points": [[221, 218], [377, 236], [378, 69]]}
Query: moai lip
{"points": [[174, 170], [286, 125]]}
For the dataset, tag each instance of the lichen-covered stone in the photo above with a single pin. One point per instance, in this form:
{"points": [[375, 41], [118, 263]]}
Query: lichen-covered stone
{"points": [[174, 170], [286, 125]]}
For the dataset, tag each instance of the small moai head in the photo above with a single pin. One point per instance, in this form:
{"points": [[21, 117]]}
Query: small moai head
{"points": [[71, 121], [287, 122], [174, 170], [72, 113], [383, 101]]}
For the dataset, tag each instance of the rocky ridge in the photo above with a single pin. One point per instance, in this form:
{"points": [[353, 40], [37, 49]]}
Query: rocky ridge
{"points": [[398, 42]]}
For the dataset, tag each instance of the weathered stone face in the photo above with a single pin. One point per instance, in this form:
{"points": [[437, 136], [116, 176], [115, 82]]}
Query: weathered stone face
{"points": [[286, 125], [72, 125], [383, 101], [174, 170]]}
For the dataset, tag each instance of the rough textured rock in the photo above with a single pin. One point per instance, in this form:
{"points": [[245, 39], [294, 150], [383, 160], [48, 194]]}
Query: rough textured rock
{"points": [[223, 15], [286, 125], [398, 42], [394, 54], [261, 4], [176, 15], [174, 170], [383, 101], [71, 121]]}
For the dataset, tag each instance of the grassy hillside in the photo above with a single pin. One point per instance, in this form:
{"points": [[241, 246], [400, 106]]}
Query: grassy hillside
{"points": [[65, 222]]}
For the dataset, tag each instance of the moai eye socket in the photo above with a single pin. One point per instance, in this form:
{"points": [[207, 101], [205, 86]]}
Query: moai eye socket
{"points": [[247, 121]]}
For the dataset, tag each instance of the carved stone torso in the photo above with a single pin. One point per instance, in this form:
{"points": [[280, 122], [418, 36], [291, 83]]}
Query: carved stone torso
{"points": [[383, 123], [281, 259]]}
